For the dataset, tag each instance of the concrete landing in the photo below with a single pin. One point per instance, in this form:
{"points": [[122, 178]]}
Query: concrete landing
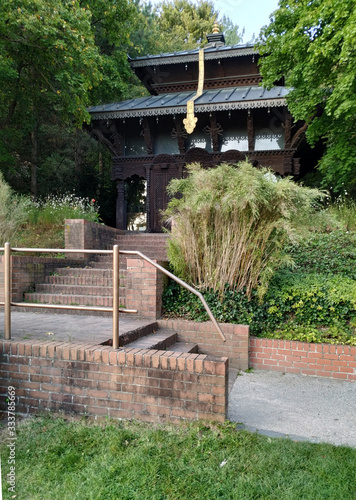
{"points": [[67, 327]]}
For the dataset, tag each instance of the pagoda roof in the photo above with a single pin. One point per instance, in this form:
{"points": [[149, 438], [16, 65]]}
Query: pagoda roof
{"points": [[176, 103], [210, 53]]}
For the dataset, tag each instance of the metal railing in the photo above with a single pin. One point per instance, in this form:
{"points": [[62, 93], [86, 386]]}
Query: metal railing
{"points": [[116, 286]]}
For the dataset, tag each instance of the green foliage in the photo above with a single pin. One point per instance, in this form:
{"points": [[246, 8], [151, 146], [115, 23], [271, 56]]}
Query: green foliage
{"points": [[306, 307], [45, 225], [312, 44], [326, 253], [231, 225], [56, 58], [62, 460], [178, 25], [13, 212], [343, 210]]}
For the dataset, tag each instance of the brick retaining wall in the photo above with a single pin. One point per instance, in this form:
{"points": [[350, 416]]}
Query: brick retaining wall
{"points": [[95, 380], [205, 335], [318, 360]]}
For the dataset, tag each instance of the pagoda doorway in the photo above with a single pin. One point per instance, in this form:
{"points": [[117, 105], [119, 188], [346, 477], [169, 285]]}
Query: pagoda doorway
{"points": [[164, 169]]}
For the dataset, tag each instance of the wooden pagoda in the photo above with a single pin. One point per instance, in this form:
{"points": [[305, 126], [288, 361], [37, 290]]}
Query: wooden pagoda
{"points": [[205, 105]]}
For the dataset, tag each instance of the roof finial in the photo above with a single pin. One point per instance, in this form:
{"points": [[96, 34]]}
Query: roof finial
{"points": [[216, 27]]}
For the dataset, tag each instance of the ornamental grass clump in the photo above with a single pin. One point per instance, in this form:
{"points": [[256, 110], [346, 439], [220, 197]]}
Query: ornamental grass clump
{"points": [[13, 212], [231, 225]]}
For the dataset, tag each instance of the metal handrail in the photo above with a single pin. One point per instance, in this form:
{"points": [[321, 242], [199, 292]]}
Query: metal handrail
{"points": [[180, 282], [115, 309]]}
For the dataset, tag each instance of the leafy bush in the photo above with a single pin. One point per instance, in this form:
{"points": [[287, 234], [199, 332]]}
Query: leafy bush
{"points": [[313, 308], [326, 253], [231, 225], [13, 212]]}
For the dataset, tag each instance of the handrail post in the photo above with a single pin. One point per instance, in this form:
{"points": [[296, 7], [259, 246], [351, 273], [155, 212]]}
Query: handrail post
{"points": [[7, 281], [116, 298]]}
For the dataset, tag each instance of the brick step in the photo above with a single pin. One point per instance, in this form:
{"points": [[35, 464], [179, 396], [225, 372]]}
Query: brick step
{"points": [[91, 280], [81, 272], [63, 299], [74, 312], [105, 265], [184, 347], [68, 289], [162, 339]]}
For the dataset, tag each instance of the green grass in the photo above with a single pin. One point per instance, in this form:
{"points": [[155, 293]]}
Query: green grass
{"points": [[57, 459]]}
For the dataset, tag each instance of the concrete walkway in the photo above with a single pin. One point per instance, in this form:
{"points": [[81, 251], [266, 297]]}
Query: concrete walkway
{"points": [[299, 407], [67, 327]]}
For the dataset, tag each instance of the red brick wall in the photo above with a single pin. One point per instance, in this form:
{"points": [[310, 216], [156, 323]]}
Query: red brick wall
{"points": [[205, 335], [80, 233], [144, 288], [95, 380], [320, 360]]}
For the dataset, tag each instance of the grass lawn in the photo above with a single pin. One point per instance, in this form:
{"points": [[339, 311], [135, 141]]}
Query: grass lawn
{"points": [[58, 459]]}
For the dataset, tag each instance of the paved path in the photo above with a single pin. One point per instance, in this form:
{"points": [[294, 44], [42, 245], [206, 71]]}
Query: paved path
{"points": [[66, 327], [303, 408]]}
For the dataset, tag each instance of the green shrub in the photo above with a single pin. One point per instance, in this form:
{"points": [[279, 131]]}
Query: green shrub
{"points": [[231, 225], [13, 212], [313, 308], [310, 299], [326, 253]]}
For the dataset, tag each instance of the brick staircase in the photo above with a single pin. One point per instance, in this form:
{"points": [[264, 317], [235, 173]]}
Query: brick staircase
{"points": [[84, 286], [91, 285]]}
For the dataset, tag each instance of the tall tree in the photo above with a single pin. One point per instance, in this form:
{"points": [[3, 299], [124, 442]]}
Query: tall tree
{"points": [[178, 25], [56, 58], [311, 43]]}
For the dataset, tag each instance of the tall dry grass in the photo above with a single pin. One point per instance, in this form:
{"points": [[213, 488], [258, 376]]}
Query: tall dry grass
{"points": [[13, 212], [231, 224]]}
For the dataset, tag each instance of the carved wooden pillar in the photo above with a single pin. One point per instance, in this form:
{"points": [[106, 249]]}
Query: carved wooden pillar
{"points": [[180, 135], [287, 130], [146, 132], [148, 199], [250, 131], [120, 205], [117, 139], [215, 131]]}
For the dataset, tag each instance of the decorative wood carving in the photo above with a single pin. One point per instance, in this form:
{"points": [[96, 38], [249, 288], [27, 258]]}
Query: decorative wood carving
{"points": [[120, 205], [232, 156], [250, 131], [214, 131], [146, 133], [117, 139], [101, 138], [198, 155], [287, 130], [179, 133], [298, 137]]}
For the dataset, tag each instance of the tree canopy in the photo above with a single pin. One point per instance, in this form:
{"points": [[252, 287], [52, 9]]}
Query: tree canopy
{"points": [[312, 45], [56, 58], [175, 25]]}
